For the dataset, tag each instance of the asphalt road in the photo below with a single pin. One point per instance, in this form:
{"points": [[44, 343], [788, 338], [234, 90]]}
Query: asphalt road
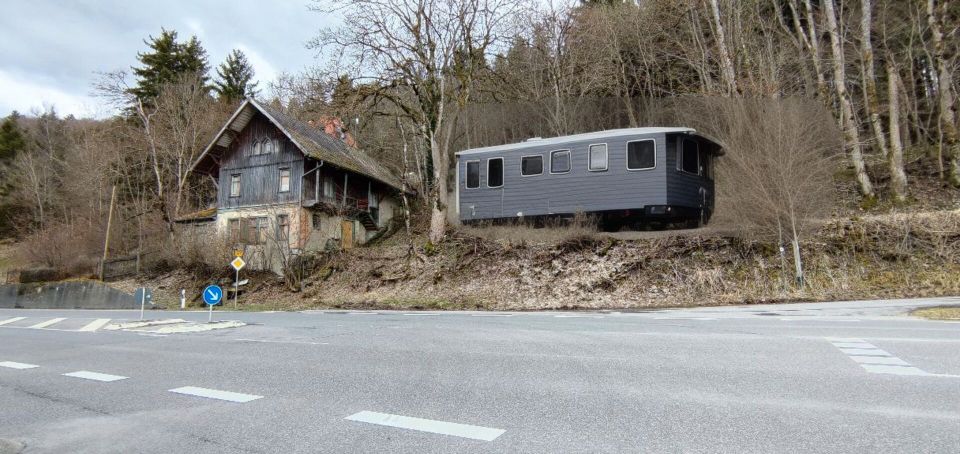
{"points": [[832, 377]]}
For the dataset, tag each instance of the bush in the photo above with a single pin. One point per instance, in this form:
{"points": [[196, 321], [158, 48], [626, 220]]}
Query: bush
{"points": [[69, 249]]}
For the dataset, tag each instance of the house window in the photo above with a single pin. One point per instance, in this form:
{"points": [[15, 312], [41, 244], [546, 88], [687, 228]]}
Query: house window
{"points": [[598, 157], [495, 172], [531, 165], [689, 156], [473, 174], [283, 227], [285, 180], [256, 230], [328, 192], [256, 147], [560, 161], [235, 185], [641, 154]]}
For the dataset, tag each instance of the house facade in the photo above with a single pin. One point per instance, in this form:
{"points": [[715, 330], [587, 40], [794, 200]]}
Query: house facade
{"points": [[285, 187]]}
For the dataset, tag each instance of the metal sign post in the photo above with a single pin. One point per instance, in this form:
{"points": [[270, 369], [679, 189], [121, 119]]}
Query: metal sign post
{"points": [[144, 296], [212, 296], [237, 264]]}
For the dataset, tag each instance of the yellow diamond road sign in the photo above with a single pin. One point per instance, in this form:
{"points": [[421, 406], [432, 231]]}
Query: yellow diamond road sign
{"points": [[238, 263]]}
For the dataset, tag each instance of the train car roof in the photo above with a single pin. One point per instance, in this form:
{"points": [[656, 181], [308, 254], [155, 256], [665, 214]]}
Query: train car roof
{"points": [[596, 135]]}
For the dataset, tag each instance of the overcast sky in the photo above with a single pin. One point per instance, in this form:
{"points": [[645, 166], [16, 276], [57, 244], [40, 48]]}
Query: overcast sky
{"points": [[50, 50]]}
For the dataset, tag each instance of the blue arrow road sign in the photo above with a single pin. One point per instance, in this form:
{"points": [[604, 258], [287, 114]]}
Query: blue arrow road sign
{"points": [[212, 295]]}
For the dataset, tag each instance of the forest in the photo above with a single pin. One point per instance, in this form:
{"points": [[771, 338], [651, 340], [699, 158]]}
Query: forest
{"points": [[826, 109]]}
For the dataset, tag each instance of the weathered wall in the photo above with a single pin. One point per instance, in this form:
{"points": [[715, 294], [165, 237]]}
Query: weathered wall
{"points": [[66, 295], [259, 173]]}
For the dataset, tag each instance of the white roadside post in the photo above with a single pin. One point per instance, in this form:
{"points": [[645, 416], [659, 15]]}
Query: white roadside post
{"points": [[143, 300], [183, 298]]}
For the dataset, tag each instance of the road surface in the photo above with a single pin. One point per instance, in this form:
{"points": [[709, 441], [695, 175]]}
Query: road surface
{"points": [[829, 377]]}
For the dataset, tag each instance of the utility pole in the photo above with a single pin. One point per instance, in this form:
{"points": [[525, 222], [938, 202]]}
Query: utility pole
{"points": [[106, 239]]}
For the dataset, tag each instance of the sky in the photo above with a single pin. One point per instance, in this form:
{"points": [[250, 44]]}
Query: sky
{"points": [[50, 51]]}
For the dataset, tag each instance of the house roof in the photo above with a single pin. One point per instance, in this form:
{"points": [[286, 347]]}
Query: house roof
{"points": [[206, 214], [596, 135], [312, 143]]}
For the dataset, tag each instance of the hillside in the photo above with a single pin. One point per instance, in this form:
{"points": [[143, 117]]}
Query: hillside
{"points": [[877, 256]]}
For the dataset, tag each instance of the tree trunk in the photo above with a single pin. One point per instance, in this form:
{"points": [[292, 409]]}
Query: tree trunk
{"points": [[948, 126], [726, 63], [898, 177], [813, 43], [438, 217], [870, 77], [851, 132], [797, 261]]}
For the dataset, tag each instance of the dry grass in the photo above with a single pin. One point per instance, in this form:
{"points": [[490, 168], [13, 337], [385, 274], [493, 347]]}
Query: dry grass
{"points": [[521, 267], [938, 313], [549, 232]]}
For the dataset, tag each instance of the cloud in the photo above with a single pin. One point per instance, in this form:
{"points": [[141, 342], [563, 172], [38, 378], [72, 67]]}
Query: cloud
{"points": [[53, 50], [29, 96], [264, 72]]}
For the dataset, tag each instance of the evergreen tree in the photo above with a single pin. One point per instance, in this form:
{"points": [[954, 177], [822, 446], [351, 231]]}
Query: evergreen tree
{"points": [[11, 138], [235, 75], [167, 60]]}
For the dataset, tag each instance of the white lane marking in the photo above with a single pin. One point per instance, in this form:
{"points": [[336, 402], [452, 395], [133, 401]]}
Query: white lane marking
{"points": [[215, 394], [270, 341], [893, 370], [817, 319], [852, 345], [14, 365], [11, 320], [152, 335], [888, 360], [363, 313], [491, 315], [864, 351], [877, 361], [47, 323], [417, 313], [95, 325], [96, 376], [427, 425], [577, 316], [683, 318]]}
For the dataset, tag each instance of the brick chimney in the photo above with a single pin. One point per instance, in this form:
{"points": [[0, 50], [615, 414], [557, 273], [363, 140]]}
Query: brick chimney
{"points": [[333, 127]]}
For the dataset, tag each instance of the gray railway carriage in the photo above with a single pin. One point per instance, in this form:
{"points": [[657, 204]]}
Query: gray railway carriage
{"points": [[623, 176]]}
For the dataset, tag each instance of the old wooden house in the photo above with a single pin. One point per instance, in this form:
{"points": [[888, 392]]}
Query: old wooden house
{"points": [[285, 186]]}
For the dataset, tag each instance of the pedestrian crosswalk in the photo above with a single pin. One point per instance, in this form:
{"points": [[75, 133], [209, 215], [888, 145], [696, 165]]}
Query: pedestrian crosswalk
{"points": [[86, 325]]}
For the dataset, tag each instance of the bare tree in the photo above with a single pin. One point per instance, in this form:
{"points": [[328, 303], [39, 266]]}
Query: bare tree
{"points": [[172, 129], [848, 122], [946, 107], [726, 62], [869, 74], [898, 177], [423, 56], [776, 175]]}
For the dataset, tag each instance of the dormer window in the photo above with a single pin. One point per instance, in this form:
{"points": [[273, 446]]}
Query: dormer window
{"points": [[267, 146], [257, 148]]}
